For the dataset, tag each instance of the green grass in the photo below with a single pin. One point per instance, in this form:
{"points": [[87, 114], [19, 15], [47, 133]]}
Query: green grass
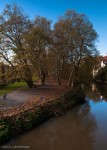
{"points": [[35, 78], [14, 86], [11, 87]]}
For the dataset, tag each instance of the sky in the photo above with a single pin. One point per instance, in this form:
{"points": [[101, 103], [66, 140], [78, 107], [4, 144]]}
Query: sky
{"points": [[95, 10]]}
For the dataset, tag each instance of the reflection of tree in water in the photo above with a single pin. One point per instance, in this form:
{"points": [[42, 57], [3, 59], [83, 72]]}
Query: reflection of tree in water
{"points": [[73, 131], [97, 92], [84, 128], [102, 90], [76, 130], [93, 93]]}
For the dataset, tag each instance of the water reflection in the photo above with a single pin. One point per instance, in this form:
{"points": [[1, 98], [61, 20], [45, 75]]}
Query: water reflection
{"points": [[83, 128], [97, 92], [103, 91], [74, 131], [101, 97]]}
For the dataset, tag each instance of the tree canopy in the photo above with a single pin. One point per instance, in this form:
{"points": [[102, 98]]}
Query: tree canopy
{"points": [[33, 47]]}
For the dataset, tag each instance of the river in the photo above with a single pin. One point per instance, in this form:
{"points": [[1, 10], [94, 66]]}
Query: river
{"points": [[82, 128]]}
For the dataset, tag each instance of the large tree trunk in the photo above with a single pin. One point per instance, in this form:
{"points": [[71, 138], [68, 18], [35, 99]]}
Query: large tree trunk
{"points": [[73, 77], [59, 72], [28, 76], [30, 83], [71, 80], [43, 77], [3, 79], [59, 79]]}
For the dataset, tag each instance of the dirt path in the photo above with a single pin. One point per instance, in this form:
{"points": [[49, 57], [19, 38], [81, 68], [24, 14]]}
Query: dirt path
{"points": [[37, 94]]}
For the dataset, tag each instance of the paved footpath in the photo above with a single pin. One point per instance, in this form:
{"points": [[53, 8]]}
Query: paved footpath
{"points": [[22, 95]]}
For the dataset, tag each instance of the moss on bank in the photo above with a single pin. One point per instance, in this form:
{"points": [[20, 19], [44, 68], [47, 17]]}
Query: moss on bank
{"points": [[14, 125]]}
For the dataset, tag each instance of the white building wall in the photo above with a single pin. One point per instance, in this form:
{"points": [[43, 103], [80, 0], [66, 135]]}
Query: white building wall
{"points": [[102, 64]]}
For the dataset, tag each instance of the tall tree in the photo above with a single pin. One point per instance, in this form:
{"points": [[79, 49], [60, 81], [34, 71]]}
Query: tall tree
{"points": [[59, 51], [79, 39], [13, 27], [38, 39]]}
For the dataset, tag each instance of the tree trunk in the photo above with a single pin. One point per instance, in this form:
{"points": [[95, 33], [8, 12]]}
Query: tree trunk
{"points": [[59, 72], [30, 83], [70, 80], [28, 77], [59, 79], [43, 77]]}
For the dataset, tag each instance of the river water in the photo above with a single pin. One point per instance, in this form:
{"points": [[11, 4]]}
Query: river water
{"points": [[82, 128]]}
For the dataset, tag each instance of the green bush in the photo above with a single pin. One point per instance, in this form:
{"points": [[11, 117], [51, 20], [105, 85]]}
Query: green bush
{"points": [[4, 132]]}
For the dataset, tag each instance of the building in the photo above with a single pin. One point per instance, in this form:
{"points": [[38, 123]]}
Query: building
{"points": [[102, 64]]}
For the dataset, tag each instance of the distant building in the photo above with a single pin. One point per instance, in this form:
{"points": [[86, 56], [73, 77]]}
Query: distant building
{"points": [[95, 70], [102, 64]]}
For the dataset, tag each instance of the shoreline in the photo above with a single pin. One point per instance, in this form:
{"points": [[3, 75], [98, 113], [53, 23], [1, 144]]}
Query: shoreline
{"points": [[11, 126]]}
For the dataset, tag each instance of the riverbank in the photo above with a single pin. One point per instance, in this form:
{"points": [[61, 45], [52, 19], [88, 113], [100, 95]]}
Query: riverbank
{"points": [[13, 124], [84, 127], [29, 96]]}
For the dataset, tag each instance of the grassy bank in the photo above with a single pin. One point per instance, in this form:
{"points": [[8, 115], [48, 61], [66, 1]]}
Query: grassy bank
{"points": [[24, 121], [13, 86], [10, 87]]}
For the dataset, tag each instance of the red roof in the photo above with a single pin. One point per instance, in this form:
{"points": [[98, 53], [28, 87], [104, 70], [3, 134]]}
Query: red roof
{"points": [[104, 58]]}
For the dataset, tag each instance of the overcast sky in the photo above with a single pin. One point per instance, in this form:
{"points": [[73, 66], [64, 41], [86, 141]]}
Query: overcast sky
{"points": [[96, 10]]}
